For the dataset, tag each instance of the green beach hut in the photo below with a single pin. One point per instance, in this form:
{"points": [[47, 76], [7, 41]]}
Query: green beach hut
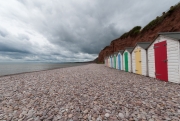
{"points": [[127, 59], [114, 55]]}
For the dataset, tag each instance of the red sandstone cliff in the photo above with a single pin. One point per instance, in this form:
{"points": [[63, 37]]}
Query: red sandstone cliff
{"points": [[169, 23]]}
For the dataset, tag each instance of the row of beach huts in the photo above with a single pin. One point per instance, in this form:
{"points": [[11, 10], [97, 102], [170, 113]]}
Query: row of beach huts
{"points": [[158, 59]]}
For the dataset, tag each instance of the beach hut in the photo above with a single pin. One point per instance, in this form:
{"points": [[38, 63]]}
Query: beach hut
{"points": [[106, 61], [164, 57], [109, 61], [117, 60], [120, 60], [139, 58], [127, 59], [112, 62]]}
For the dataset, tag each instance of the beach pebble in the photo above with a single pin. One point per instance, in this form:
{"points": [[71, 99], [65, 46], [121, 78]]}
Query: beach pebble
{"points": [[89, 92], [121, 115], [107, 115], [70, 116], [85, 111]]}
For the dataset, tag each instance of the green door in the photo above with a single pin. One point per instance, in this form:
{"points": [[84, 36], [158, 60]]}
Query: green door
{"points": [[126, 61], [114, 61]]}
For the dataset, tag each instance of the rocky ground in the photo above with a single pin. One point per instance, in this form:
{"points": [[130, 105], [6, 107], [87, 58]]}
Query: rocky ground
{"points": [[90, 92]]}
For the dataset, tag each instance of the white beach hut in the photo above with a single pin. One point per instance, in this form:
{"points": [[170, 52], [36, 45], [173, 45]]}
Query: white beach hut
{"points": [[127, 59], [115, 60], [164, 57], [108, 61], [139, 58], [105, 61]]}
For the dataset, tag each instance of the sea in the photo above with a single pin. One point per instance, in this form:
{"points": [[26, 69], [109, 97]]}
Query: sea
{"points": [[8, 68]]}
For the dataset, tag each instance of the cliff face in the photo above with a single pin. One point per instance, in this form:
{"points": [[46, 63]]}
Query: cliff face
{"points": [[171, 23]]}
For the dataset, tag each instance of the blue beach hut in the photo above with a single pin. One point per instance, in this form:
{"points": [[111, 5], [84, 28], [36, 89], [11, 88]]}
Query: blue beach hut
{"points": [[117, 61], [120, 59]]}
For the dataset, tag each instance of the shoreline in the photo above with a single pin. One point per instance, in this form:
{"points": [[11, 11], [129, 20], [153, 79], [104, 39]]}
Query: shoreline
{"points": [[1, 76]]}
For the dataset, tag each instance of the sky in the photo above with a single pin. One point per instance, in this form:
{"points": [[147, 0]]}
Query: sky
{"points": [[69, 30]]}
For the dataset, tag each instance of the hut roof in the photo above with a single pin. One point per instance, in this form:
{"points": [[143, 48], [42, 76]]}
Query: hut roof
{"points": [[129, 49], [144, 45], [111, 55], [121, 51], [175, 35], [115, 53]]}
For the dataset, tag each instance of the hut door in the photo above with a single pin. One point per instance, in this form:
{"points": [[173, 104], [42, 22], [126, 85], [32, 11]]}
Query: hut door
{"points": [[126, 61], [111, 62], [138, 61], [107, 62], [119, 61], [160, 53], [114, 61]]}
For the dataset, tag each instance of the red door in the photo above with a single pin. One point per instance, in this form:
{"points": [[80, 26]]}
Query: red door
{"points": [[160, 52]]}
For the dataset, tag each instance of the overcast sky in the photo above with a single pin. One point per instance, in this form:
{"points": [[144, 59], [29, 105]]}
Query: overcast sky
{"points": [[69, 30]]}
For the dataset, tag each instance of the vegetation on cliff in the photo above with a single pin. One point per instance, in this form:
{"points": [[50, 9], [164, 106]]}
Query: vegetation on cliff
{"points": [[133, 32], [159, 20], [137, 29]]}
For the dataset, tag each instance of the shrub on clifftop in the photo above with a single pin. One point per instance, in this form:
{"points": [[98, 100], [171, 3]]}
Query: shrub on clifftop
{"points": [[133, 32]]}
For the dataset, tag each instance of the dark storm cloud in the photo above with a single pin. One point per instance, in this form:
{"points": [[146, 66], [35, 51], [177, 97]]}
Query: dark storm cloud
{"points": [[9, 43], [89, 27], [5, 48], [70, 30]]}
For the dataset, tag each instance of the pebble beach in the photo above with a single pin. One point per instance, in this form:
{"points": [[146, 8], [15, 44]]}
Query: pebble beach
{"points": [[91, 92]]}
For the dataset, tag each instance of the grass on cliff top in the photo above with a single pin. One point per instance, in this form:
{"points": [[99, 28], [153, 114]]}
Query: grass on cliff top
{"points": [[133, 32], [159, 19]]}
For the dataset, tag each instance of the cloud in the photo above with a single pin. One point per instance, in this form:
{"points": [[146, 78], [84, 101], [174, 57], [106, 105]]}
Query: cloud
{"points": [[57, 30]]}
